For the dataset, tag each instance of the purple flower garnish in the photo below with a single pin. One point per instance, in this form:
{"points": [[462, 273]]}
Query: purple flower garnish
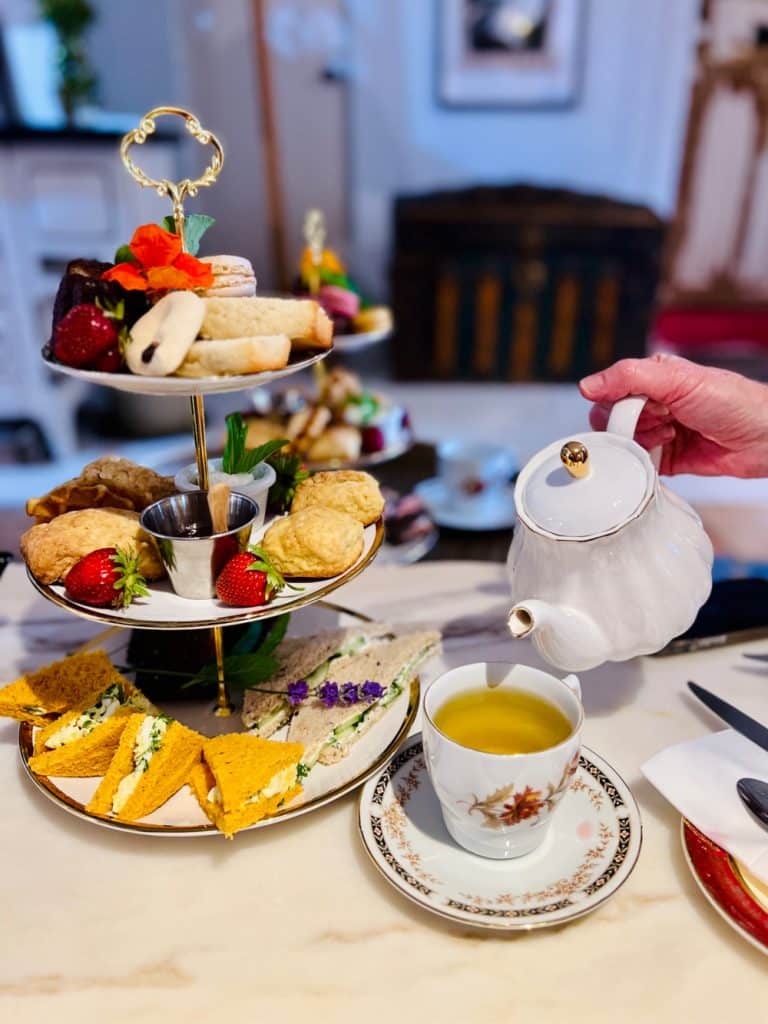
{"points": [[328, 693], [297, 692], [371, 691], [349, 694]]}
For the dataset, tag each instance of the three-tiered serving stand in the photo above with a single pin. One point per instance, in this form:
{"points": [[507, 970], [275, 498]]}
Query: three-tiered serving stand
{"points": [[196, 389]]}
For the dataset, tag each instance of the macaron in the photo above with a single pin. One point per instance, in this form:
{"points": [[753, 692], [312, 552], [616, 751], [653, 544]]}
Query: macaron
{"points": [[233, 277], [337, 301]]}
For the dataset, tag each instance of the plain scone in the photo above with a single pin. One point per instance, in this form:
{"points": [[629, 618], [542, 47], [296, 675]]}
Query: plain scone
{"points": [[233, 356], [51, 549], [316, 543], [304, 321], [346, 490]]}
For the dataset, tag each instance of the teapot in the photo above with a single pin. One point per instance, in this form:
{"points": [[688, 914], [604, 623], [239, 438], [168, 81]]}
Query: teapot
{"points": [[606, 563]]}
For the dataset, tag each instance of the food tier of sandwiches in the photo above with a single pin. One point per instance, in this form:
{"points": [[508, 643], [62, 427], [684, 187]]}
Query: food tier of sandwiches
{"points": [[327, 691]]}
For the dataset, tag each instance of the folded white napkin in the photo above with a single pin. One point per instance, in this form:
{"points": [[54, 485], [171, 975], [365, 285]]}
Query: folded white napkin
{"points": [[699, 779]]}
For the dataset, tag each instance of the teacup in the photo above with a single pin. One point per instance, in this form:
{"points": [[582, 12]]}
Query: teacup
{"points": [[501, 805], [472, 471]]}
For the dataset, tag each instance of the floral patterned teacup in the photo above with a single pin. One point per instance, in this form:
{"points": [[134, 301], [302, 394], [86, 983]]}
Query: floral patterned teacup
{"points": [[501, 805]]}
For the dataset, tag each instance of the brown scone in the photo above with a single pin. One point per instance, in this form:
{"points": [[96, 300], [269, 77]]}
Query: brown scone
{"points": [[316, 543], [109, 482], [346, 490], [51, 549]]}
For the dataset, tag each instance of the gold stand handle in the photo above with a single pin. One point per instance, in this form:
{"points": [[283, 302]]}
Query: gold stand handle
{"points": [[177, 191]]}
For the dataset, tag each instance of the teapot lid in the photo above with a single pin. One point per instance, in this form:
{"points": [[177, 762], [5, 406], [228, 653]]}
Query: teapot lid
{"points": [[585, 486]]}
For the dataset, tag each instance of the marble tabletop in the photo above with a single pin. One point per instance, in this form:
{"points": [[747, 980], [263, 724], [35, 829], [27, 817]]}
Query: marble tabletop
{"points": [[293, 923]]}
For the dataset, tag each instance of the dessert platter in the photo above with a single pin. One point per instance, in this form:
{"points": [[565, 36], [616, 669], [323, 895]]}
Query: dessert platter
{"points": [[337, 424], [243, 542], [358, 323]]}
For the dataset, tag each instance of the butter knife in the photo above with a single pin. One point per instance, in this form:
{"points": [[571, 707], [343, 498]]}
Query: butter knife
{"points": [[737, 720]]}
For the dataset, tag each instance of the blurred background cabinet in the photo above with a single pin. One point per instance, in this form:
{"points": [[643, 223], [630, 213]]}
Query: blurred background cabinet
{"points": [[521, 283]]}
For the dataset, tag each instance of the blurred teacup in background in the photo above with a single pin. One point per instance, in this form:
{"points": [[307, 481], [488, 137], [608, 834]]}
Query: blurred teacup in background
{"points": [[502, 744], [474, 471]]}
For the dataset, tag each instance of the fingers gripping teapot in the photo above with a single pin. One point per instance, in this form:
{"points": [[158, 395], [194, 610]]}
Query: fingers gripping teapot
{"points": [[605, 563]]}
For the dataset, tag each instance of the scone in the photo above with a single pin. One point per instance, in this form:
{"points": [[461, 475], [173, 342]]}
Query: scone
{"points": [[346, 490], [338, 442], [109, 482], [51, 549], [233, 356], [316, 543], [303, 320]]}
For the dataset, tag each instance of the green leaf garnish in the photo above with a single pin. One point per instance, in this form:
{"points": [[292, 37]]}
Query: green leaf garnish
{"points": [[368, 403], [124, 255], [195, 226], [236, 458], [290, 474], [275, 636]]}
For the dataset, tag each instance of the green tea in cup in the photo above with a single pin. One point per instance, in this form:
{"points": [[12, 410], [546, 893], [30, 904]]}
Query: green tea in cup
{"points": [[502, 720]]}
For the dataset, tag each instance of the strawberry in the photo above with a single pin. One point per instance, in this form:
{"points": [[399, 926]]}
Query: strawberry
{"points": [[106, 577], [248, 579], [110, 361], [91, 336], [373, 440]]}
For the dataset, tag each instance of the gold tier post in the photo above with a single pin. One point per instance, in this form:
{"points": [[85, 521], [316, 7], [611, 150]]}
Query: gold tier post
{"points": [[177, 192], [314, 238]]}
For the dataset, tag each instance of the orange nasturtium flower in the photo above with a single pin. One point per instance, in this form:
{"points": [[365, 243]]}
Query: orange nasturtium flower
{"points": [[160, 264]]}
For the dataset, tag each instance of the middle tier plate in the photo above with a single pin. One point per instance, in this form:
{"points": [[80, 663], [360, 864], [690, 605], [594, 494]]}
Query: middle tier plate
{"points": [[165, 610]]}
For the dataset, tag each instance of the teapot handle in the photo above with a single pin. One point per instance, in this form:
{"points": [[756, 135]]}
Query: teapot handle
{"points": [[623, 420]]}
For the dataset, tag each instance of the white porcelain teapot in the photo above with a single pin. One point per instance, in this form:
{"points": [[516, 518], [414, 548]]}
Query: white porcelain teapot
{"points": [[605, 563]]}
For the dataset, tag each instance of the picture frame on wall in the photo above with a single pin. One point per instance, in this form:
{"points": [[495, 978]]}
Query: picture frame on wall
{"points": [[509, 53]]}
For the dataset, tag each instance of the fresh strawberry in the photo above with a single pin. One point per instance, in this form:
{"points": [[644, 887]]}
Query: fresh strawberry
{"points": [[91, 336], [110, 362], [248, 579], [108, 576]]}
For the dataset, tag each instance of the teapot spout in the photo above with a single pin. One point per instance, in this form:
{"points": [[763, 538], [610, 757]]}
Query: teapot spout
{"points": [[563, 636]]}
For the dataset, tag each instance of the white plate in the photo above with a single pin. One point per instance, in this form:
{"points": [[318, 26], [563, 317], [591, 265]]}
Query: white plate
{"points": [[165, 610], [357, 342], [364, 461], [592, 847], [139, 385], [482, 513], [182, 816]]}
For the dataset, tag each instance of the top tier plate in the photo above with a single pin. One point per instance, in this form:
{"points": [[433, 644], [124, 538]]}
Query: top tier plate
{"points": [[140, 385]]}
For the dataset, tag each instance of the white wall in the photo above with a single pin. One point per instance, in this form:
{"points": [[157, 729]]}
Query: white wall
{"points": [[623, 138]]}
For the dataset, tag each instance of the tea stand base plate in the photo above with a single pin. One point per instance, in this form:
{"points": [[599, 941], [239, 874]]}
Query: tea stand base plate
{"points": [[591, 849]]}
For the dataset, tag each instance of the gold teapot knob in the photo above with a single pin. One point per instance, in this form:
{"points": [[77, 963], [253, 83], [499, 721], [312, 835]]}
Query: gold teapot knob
{"points": [[575, 457]]}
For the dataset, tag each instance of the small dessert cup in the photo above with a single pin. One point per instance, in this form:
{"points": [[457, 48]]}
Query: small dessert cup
{"points": [[255, 484]]}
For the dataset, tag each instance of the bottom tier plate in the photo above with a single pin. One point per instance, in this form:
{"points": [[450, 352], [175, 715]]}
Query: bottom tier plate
{"points": [[181, 815]]}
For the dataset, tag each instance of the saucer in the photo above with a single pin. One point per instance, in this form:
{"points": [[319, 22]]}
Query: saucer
{"points": [[590, 851], [490, 513]]}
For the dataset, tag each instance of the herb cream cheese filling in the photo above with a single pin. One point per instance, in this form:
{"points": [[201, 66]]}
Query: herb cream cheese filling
{"points": [[279, 783], [148, 741], [107, 704]]}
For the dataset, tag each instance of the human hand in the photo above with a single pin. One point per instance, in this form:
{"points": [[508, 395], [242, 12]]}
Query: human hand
{"points": [[709, 422]]}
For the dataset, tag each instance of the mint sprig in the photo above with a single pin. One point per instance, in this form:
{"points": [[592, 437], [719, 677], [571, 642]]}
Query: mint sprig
{"points": [[195, 226], [236, 458], [245, 669]]}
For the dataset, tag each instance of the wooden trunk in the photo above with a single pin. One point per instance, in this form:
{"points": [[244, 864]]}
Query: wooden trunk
{"points": [[520, 283]]}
